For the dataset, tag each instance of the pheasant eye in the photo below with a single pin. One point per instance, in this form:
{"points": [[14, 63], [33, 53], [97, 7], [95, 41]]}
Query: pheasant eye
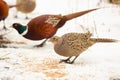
{"points": [[15, 25], [54, 38]]}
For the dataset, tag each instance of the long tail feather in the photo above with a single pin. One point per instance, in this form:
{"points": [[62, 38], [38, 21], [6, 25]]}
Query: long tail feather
{"points": [[77, 14], [12, 6], [103, 40]]}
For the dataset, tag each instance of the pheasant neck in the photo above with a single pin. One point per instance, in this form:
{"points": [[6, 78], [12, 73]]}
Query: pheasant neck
{"points": [[22, 30]]}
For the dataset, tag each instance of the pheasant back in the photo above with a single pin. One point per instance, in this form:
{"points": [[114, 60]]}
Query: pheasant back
{"points": [[76, 43], [3, 10], [41, 27]]}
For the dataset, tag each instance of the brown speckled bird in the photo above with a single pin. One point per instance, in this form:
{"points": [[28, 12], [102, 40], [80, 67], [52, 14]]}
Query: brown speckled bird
{"points": [[25, 6], [4, 9], [45, 26], [73, 44]]}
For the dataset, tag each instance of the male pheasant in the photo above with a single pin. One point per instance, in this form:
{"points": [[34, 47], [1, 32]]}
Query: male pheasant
{"points": [[45, 26], [4, 9], [73, 44]]}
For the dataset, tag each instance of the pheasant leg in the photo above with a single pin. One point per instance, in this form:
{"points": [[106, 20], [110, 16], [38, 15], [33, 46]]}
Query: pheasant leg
{"points": [[73, 60], [42, 44], [66, 60]]}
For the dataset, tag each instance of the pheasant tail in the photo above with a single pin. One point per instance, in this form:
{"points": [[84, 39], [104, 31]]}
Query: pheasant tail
{"points": [[77, 14], [12, 6], [103, 40]]}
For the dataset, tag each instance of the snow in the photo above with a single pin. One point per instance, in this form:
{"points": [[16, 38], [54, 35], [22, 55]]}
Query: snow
{"points": [[99, 62]]}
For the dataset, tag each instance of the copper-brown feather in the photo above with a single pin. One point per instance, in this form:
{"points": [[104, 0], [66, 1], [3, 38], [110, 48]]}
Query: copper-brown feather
{"points": [[4, 9], [38, 29], [45, 26]]}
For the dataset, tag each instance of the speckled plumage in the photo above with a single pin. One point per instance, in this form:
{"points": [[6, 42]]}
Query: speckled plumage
{"points": [[25, 6], [73, 44]]}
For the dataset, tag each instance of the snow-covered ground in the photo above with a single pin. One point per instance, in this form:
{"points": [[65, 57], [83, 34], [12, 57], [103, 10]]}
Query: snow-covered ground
{"points": [[99, 62]]}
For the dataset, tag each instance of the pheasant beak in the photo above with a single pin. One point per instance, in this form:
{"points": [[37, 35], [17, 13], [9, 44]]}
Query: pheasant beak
{"points": [[54, 39], [49, 40]]}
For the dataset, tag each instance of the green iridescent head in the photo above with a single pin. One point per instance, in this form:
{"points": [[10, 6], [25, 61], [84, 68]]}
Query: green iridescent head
{"points": [[19, 27]]}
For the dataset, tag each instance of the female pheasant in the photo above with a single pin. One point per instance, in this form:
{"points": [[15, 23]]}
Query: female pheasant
{"points": [[73, 44], [25, 6], [4, 9], [45, 26]]}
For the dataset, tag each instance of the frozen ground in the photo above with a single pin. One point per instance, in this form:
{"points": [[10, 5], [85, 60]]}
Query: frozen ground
{"points": [[99, 62]]}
